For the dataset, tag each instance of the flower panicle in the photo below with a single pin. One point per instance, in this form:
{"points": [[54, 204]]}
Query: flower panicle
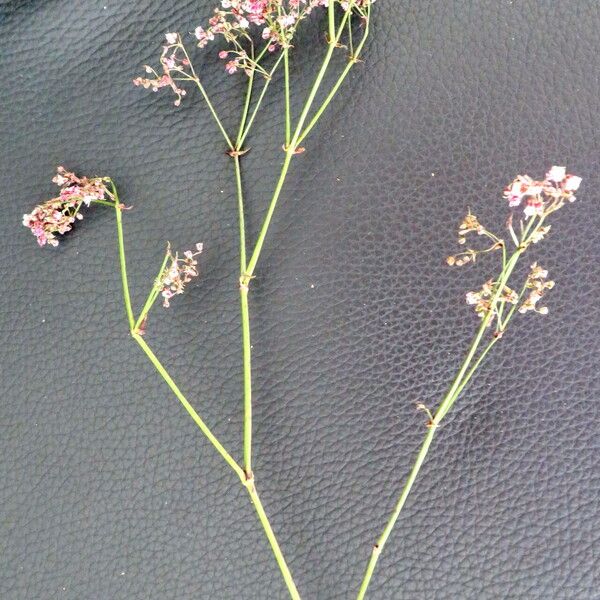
{"points": [[178, 272], [234, 21], [175, 66], [537, 283], [538, 199], [277, 20], [541, 197], [57, 215], [470, 224], [482, 300]]}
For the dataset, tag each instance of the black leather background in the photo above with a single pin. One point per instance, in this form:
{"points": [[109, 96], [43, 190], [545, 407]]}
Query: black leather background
{"points": [[108, 491]]}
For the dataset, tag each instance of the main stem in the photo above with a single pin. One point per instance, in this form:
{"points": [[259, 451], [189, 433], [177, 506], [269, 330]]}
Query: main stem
{"points": [[463, 376], [247, 358], [122, 262], [262, 515], [246, 480]]}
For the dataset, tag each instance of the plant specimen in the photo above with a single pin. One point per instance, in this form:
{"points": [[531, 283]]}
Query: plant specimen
{"points": [[496, 303], [256, 40]]}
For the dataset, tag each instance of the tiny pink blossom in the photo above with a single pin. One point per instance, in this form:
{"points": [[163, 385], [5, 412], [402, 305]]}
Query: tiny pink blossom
{"points": [[232, 66], [56, 216], [174, 278], [171, 38]]}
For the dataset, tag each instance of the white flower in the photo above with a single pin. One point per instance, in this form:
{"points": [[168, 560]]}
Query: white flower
{"points": [[556, 174], [572, 183], [171, 38], [473, 297]]}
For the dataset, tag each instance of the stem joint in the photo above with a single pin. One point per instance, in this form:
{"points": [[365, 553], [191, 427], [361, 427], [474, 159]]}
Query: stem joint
{"points": [[237, 152], [245, 279]]}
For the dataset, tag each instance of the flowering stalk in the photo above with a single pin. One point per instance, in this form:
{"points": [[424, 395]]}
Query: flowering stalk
{"points": [[495, 304], [278, 20]]}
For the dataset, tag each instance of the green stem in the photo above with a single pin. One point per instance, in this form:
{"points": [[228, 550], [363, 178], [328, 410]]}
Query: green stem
{"points": [[291, 148], [190, 409], [214, 113], [288, 112], [465, 373], [246, 106], [123, 264], [102, 203], [247, 359], [152, 296], [244, 310], [378, 547], [241, 220], [353, 60], [285, 571], [246, 131], [249, 96], [211, 108]]}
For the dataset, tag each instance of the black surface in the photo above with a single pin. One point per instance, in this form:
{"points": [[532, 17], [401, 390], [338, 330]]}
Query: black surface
{"points": [[109, 491]]}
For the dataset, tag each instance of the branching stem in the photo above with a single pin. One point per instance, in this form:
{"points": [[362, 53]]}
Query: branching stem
{"points": [[471, 363]]}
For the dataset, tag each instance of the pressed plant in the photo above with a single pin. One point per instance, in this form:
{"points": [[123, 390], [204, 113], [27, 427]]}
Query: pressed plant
{"points": [[257, 36], [496, 303], [257, 41]]}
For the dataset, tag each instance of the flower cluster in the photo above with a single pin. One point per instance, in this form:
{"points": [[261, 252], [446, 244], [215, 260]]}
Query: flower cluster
{"points": [[538, 284], [482, 300], [175, 276], [470, 224], [277, 20], [175, 66], [542, 197], [233, 21], [56, 216]]}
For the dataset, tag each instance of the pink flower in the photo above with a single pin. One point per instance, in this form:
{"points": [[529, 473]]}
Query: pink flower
{"points": [[232, 66], [286, 20], [56, 216], [171, 38], [203, 36], [534, 206], [540, 196], [522, 186], [173, 279]]}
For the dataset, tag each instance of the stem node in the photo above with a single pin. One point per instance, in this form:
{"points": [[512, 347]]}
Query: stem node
{"points": [[237, 152], [297, 150], [245, 282], [249, 481]]}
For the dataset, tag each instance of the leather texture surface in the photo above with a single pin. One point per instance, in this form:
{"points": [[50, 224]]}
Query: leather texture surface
{"points": [[108, 490]]}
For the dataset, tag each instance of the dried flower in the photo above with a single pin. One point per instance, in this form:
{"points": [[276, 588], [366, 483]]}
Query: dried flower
{"points": [[180, 271], [469, 223], [539, 234], [538, 199], [56, 216], [536, 282], [175, 65]]}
